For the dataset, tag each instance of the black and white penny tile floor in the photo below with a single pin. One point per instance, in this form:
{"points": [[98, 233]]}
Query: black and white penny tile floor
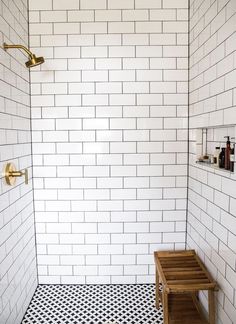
{"points": [[94, 304]]}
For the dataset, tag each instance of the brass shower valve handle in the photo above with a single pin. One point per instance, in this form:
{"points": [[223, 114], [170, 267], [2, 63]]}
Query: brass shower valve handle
{"points": [[11, 174]]}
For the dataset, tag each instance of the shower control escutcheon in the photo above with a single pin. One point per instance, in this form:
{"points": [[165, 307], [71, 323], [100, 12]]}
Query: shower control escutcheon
{"points": [[10, 174]]}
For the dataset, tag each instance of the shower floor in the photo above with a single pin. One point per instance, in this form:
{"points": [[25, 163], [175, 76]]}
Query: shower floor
{"points": [[93, 304]]}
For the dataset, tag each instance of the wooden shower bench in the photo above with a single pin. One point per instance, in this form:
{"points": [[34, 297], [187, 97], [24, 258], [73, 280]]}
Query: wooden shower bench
{"points": [[183, 275]]}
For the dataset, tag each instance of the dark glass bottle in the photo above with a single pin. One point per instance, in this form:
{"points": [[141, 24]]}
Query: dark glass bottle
{"points": [[227, 154], [222, 158], [232, 160]]}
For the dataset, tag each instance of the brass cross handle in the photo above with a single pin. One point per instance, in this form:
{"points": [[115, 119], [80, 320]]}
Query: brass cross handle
{"points": [[11, 174]]}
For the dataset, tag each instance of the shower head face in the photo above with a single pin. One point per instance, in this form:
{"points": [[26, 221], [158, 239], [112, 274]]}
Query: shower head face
{"points": [[34, 61]]}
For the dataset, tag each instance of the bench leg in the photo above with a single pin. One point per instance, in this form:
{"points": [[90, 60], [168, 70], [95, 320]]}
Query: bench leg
{"points": [[211, 306], [157, 290], [165, 308]]}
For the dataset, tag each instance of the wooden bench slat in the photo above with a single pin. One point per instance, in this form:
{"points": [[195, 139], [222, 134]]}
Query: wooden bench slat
{"points": [[182, 269], [170, 254]]}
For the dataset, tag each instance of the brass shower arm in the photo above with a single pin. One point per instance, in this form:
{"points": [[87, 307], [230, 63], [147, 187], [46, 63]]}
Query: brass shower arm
{"points": [[33, 59], [6, 46]]}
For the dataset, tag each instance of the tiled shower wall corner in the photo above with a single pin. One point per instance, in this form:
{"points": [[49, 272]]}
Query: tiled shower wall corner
{"points": [[110, 136], [18, 275], [212, 195]]}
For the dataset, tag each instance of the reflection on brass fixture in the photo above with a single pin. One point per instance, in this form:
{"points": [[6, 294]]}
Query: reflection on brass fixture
{"points": [[10, 174], [33, 60]]}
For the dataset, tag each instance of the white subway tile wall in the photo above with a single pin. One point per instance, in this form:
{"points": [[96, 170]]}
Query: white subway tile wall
{"points": [[212, 194], [109, 110], [18, 274]]}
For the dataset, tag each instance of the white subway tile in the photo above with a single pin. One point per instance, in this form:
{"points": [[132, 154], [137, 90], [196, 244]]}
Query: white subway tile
{"points": [[131, 159], [54, 40], [136, 135], [93, 28], [41, 29], [109, 205], [108, 15], [121, 171], [148, 27], [95, 52], [135, 39], [52, 16], [84, 228], [93, 76], [98, 147], [69, 148], [148, 4], [107, 111], [122, 75], [110, 270], [70, 194], [43, 5], [80, 15], [109, 183], [80, 40], [163, 14], [66, 28], [108, 40], [177, 4], [122, 123], [70, 100], [175, 27], [67, 76], [148, 51], [122, 4], [122, 194], [109, 136], [99, 171], [120, 27], [149, 75], [136, 87], [136, 182], [122, 99], [162, 39], [175, 51], [108, 64], [151, 170], [81, 88], [72, 260], [113, 87], [123, 238], [70, 52], [92, 100], [135, 15], [71, 4], [150, 99], [90, 4], [122, 51], [110, 228]]}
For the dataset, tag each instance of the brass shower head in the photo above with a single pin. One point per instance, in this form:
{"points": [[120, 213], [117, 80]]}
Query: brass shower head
{"points": [[33, 60]]}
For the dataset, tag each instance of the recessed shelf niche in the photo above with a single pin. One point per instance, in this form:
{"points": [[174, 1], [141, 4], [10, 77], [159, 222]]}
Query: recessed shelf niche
{"points": [[207, 139]]}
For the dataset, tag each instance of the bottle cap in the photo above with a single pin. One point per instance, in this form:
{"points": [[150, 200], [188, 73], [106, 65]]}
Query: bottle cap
{"points": [[228, 139]]}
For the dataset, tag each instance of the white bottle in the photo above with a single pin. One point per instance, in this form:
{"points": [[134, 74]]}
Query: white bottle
{"points": [[216, 156]]}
